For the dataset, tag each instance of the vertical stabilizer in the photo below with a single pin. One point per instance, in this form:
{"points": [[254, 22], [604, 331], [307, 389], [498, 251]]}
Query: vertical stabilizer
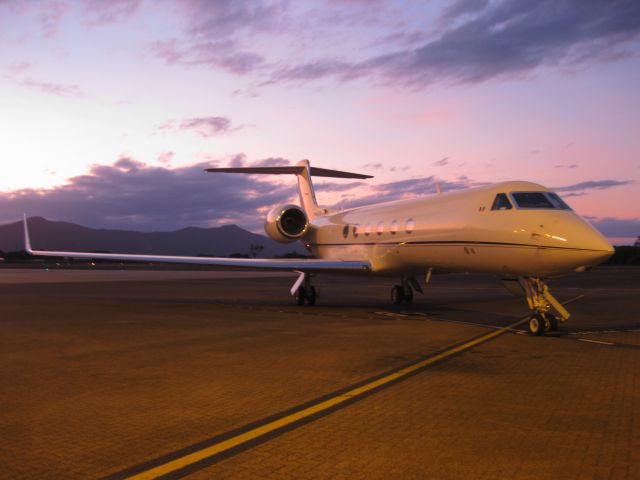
{"points": [[307, 195]]}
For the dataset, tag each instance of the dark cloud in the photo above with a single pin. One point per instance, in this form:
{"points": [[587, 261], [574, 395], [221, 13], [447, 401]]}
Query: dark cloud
{"points": [[18, 73], [573, 165], [335, 186], [507, 38], [207, 126], [50, 13], [271, 162], [617, 227], [224, 18], [402, 38], [132, 195], [216, 34], [441, 163], [341, 70], [203, 126], [238, 160], [51, 16], [128, 164], [226, 55], [372, 166], [461, 8], [100, 12], [17, 68], [166, 157], [593, 185], [413, 187]]}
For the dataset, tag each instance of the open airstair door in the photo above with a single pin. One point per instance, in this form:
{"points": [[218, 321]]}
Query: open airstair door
{"points": [[304, 171]]}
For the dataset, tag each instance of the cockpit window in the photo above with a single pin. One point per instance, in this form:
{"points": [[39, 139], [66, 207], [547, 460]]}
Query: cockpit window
{"points": [[501, 203], [532, 200], [557, 201]]}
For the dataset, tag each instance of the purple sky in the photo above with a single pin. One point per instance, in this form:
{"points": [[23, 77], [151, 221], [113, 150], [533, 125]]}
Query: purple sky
{"points": [[109, 111]]}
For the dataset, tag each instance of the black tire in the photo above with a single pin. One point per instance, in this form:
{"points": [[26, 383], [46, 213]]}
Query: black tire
{"points": [[536, 325], [553, 322], [300, 296], [397, 294], [312, 295], [408, 295]]}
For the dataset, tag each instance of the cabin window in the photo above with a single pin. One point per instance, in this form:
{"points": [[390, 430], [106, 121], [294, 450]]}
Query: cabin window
{"points": [[355, 231], [557, 201], [410, 225], [393, 228], [380, 230], [345, 231], [367, 229], [501, 202], [532, 200]]}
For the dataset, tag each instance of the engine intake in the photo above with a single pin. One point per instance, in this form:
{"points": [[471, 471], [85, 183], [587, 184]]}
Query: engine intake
{"points": [[286, 224]]}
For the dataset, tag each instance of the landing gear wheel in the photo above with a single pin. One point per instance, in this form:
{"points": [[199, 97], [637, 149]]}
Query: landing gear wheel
{"points": [[311, 296], [408, 295], [397, 294], [536, 324], [301, 296]]}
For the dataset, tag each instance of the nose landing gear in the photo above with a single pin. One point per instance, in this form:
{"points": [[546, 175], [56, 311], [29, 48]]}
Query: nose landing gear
{"points": [[540, 323], [542, 303]]}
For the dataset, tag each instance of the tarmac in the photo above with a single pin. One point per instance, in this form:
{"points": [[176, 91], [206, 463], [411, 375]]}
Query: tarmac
{"points": [[164, 374]]}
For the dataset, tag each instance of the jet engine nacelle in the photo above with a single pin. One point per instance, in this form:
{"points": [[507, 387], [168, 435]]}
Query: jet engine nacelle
{"points": [[286, 224]]}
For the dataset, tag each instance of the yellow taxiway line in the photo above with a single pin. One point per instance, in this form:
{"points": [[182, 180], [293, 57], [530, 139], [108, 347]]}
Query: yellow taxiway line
{"points": [[172, 466]]}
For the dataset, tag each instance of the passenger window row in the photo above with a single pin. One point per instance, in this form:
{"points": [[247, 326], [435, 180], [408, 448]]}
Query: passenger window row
{"points": [[379, 229]]}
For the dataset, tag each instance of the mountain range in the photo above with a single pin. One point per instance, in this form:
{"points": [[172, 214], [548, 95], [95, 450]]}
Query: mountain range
{"points": [[216, 241]]}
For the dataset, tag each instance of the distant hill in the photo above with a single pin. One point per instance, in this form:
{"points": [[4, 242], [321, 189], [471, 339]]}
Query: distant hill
{"points": [[218, 241]]}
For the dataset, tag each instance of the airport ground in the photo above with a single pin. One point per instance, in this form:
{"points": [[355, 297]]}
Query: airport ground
{"points": [[114, 374]]}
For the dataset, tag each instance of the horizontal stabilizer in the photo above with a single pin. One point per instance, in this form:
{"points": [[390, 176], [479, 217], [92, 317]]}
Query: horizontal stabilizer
{"points": [[323, 172], [294, 169]]}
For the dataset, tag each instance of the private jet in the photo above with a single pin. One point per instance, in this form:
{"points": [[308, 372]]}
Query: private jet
{"points": [[520, 231]]}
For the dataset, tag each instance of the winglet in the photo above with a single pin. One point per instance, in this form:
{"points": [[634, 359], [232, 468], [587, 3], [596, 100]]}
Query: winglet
{"points": [[27, 240]]}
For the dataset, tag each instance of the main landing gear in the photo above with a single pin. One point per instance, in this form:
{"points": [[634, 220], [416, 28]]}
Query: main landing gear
{"points": [[400, 294], [540, 300], [303, 292], [403, 293], [306, 295]]}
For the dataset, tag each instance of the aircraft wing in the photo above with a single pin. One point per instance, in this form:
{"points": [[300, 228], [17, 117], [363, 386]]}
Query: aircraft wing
{"points": [[292, 265]]}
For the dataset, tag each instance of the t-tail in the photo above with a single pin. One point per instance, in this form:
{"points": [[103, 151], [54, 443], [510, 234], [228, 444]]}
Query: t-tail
{"points": [[303, 171]]}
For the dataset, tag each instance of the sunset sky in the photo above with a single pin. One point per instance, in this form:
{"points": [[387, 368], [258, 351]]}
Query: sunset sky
{"points": [[109, 111]]}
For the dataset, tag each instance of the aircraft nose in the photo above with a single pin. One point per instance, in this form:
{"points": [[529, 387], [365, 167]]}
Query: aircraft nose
{"points": [[595, 247]]}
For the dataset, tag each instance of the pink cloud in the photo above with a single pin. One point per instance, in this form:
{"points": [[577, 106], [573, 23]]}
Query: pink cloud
{"points": [[52, 88], [204, 126]]}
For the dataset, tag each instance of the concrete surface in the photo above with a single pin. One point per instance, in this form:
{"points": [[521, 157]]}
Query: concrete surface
{"points": [[100, 376]]}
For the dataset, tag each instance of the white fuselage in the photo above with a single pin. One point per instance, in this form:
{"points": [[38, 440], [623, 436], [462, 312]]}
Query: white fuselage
{"points": [[458, 231]]}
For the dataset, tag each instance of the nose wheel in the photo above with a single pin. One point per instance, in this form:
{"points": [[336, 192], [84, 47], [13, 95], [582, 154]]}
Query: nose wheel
{"points": [[541, 323], [543, 304]]}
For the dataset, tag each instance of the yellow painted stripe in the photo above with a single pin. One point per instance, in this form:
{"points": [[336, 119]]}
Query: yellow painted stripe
{"points": [[191, 458]]}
